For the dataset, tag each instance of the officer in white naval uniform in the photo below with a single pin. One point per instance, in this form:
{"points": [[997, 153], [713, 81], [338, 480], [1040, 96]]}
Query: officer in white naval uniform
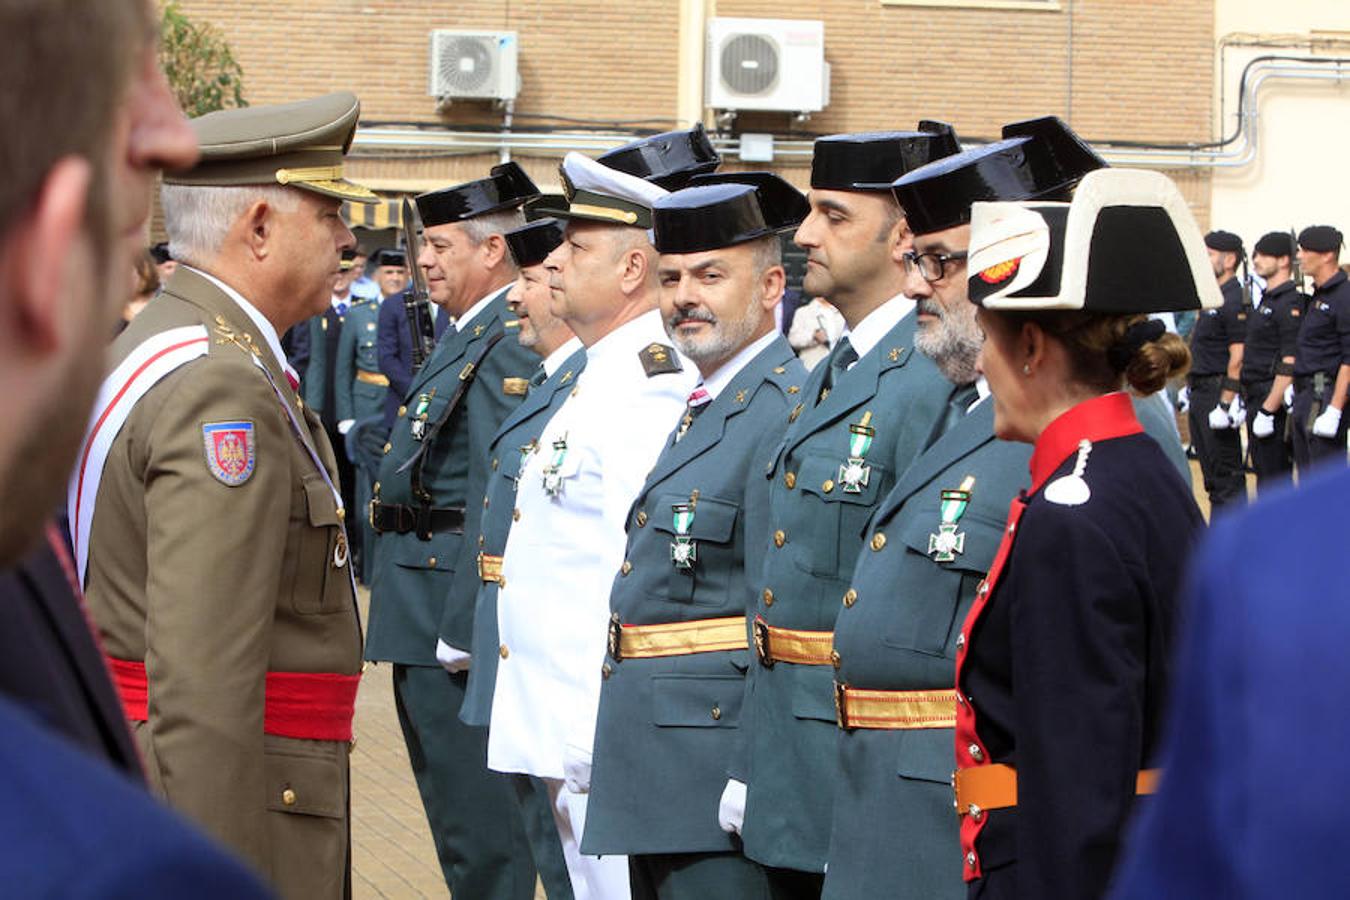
{"points": [[573, 495]]}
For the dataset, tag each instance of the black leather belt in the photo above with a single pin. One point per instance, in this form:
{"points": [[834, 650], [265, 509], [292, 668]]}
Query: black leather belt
{"points": [[425, 520]]}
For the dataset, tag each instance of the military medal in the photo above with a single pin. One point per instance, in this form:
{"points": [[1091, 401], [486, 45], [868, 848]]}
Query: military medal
{"points": [[948, 542], [418, 425], [683, 550], [854, 473], [552, 477]]}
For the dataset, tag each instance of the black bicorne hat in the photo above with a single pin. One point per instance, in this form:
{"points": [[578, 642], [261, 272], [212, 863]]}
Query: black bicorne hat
{"points": [[709, 217], [1038, 159], [668, 160], [505, 188], [530, 244], [391, 257], [782, 204], [872, 160], [1126, 244]]}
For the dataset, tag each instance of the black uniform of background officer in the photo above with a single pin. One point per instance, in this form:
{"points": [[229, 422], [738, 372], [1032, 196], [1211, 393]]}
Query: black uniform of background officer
{"points": [[1216, 352], [1322, 369], [1268, 358]]}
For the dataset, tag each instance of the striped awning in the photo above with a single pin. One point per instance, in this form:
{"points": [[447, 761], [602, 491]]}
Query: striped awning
{"points": [[388, 213]]}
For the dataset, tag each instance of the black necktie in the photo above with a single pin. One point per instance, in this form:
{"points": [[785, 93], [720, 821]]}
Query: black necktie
{"points": [[539, 377], [956, 410], [841, 357]]}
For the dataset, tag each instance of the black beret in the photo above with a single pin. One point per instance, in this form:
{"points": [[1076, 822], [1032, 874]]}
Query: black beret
{"points": [[668, 160], [1275, 243], [1320, 239], [391, 257], [871, 161], [506, 187], [160, 253], [533, 242], [1038, 159], [1224, 242]]}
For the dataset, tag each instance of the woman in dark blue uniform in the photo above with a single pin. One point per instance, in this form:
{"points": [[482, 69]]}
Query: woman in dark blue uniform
{"points": [[1062, 661]]}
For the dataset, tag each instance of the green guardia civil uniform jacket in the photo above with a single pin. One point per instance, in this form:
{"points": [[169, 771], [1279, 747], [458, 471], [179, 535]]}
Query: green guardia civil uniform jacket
{"points": [[414, 569], [666, 724], [514, 439], [894, 831], [840, 456], [357, 352]]}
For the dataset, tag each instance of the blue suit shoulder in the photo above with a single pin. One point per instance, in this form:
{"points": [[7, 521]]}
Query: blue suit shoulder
{"points": [[71, 827]]}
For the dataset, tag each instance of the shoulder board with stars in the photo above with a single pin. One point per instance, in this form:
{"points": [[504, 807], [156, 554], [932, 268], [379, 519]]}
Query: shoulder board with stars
{"points": [[659, 359]]}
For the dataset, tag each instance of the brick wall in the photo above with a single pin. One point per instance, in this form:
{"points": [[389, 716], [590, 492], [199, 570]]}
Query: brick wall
{"points": [[1116, 69]]}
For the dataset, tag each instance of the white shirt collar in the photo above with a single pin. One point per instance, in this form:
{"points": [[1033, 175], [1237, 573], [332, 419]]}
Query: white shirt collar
{"points": [[635, 333], [463, 321], [347, 300], [260, 322], [879, 321], [981, 392], [555, 359], [732, 367]]}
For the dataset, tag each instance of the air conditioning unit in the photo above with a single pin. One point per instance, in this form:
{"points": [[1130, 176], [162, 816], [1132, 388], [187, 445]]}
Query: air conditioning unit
{"points": [[767, 64], [474, 65]]}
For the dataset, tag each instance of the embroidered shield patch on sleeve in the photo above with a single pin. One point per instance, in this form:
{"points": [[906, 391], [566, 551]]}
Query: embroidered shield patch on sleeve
{"points": [[230, 451]]}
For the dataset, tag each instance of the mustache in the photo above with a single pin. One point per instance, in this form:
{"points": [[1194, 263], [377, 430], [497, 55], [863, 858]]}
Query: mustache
{"points": [[930, 307], [690, 315]]}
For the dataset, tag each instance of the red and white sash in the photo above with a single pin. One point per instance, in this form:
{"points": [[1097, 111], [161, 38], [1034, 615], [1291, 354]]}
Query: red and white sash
{"points": [[143, 368]]}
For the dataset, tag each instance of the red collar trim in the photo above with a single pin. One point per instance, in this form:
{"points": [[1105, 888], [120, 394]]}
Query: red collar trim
{"points": [[1098, 419]]}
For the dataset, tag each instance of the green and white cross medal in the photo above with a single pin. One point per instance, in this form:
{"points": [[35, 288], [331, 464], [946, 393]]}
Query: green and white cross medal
{"points": [[855, 473], [552, 475], [418, 420], [948, 542], [683, 550]]}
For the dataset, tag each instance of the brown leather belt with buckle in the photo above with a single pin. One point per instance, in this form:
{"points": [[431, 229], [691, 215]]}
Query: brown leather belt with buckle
{"points": [[978, 789], [425, 520], [861, 708], [376, 378], [676, 638], [490, 568], [807, 648]]}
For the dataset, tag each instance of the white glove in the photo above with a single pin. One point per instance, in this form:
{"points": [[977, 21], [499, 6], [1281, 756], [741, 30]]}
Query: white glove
{"points": [[731, 808], [1289, 397], [345, 425], [451, 659], [1220, 419], [1325, 425], [1184, 398], [1263, 426], [576, 768]]}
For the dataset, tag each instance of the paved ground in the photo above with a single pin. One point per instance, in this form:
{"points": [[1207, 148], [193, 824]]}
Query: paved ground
{"points": [[392, 853]]}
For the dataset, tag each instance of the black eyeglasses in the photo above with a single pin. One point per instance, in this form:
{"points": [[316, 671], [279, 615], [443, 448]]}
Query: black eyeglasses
{"points": [[932, 266]]}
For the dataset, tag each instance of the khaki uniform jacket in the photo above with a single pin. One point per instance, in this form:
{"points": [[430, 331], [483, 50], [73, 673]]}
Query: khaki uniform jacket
{"points": [[213, 586]]}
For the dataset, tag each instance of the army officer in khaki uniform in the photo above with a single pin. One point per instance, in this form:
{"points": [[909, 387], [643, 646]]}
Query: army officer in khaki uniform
{"points": [[209, 526]]}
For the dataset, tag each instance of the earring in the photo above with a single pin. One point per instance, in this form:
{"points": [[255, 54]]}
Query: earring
{"points": [[1026, 368]]}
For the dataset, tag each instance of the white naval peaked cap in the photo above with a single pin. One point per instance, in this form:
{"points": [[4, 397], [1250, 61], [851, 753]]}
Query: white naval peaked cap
{"points": [[597, 193]]}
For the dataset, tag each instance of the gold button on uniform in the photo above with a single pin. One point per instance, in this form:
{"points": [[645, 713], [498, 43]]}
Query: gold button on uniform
{"points": [[388, 447], [515, 514], [606, 671], [641, 518], [878, 541], [975, 752], [288, 797], [768, 597], [716, 713], [402, 411], [494, 463], [779, 538], [850, 597], [790, 480], [834, 659], [485, 503], [626, 567], [503, 651], [432, 562], [827, 486]]}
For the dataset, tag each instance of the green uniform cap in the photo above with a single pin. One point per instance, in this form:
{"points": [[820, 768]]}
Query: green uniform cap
{"points": [[300, 144]]}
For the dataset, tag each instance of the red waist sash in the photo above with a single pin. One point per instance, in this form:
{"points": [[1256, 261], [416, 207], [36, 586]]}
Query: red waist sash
{"points": [[316, 706]]}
